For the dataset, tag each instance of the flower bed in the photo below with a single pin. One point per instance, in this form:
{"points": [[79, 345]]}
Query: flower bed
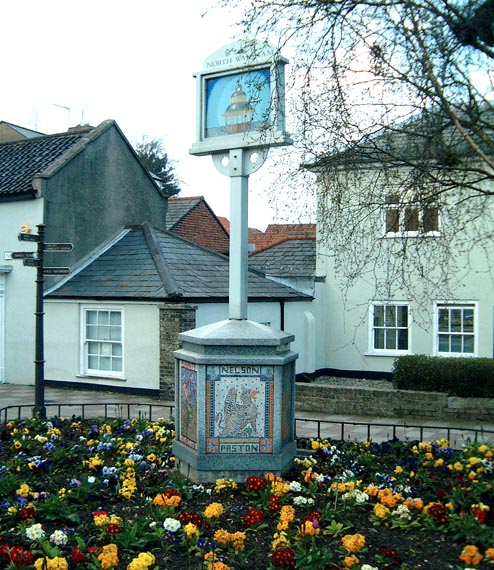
{"points": [[105, 495]]}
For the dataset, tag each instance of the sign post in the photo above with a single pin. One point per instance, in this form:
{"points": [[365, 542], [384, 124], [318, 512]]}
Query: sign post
{"points": [[235, 379], [36, 259], [39, 410]]}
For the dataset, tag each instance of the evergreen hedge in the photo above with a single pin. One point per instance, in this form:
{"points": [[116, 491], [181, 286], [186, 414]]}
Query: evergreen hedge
{"points": [[464, 377]]}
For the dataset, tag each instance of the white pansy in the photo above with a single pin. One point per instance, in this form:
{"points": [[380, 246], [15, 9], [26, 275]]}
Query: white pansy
{"points": [[295, 487], [35, 531], [171, 524], [59, 538]]}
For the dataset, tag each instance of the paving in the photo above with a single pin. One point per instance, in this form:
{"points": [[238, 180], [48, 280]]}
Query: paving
{"points": [[19, 399]]}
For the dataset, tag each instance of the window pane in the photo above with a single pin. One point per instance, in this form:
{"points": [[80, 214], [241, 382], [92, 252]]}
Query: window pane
{"points": [[117, 365], [115, 333], [390, 316], [411, 220], [105, 349], [91, 317], [468, 344], [379, 338], [91, 332], [378, 315], [103, 333], [456, 344], [455, 320], [93, 347], [115, 318], [391, 339], [443, 343], [402, 316], [392, 220], [103, 317], [105, 363], [443, 317], [93, 362], [403, 339], [116, 350], [468, 320], [431, 219]]}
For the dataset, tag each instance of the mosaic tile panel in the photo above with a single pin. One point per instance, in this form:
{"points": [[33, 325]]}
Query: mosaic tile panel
{"points": [[188, 404]]}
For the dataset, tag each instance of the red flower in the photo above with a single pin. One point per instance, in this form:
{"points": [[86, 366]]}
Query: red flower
{"points": [[113, 528], [254, 516], [274, 503], [480, 514], [256, 483], [17, 555], [313, 516], [283, 558], [188, 517], [27, 512], [78, 556]]}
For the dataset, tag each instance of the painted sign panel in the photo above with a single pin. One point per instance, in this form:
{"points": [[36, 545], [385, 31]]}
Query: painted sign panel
{"points": [[188, 404], [239, 409], [238, 103]]}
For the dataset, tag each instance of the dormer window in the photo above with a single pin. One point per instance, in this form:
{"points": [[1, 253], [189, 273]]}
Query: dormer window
{"points": [[410, 214]]}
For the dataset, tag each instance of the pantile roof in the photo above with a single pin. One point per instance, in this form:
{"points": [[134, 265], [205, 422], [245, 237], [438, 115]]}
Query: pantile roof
{"points": [[20, 161], [278, 233], [290, 258], [147, 263]]}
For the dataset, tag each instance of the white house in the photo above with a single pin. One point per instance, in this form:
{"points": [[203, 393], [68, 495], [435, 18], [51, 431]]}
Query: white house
{"points": [[82, 185], [407, 257], [114, 321]]}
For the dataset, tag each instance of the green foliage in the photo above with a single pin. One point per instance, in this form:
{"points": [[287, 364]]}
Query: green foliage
{"points": [[463, 377], [154, 158]]}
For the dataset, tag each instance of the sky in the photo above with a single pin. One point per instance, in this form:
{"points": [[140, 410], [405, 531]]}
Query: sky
{"points": [[70, 62]]}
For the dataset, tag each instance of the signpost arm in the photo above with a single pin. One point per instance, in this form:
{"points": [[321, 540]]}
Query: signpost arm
{"points": [[39, 410]]}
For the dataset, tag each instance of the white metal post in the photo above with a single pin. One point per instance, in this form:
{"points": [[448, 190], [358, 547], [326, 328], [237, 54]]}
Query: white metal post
{"points": [[239, 204]]}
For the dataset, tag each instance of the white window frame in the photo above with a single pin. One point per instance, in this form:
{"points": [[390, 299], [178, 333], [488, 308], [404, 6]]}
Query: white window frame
{"points": [[372, 351], [83, 348], [402, 206], [457, 305]]}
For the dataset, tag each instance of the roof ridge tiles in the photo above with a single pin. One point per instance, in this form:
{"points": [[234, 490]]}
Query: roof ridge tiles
{"points": [[169, 283]]}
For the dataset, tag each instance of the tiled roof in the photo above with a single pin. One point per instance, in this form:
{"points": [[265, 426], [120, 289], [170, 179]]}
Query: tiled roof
{"points": [[178, 208], [278, 233], [146, 263], [21, 160], [289, 258]]}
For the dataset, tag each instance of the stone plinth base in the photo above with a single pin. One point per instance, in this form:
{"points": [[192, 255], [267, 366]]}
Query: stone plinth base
{"points": [[235, 401]]}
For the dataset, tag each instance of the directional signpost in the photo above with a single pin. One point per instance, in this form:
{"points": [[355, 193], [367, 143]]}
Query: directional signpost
{"points": [[36, 259], [23, 255]]}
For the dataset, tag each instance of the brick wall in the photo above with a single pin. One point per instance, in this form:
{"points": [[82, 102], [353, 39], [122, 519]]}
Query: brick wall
{"points": [[404, 404], [201, 227], [174, 319]]}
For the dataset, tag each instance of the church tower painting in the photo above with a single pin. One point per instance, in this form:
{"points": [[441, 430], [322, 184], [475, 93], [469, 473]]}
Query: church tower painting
{"points": [[239, 113]]}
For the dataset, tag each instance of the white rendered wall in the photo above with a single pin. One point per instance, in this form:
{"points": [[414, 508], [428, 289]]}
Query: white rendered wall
{"points": [[141, 344], [19, 291]]}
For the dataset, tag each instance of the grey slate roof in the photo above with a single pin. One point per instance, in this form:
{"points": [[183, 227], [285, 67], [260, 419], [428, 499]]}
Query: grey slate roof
{"points": [[292, 257], [147, 263], [178, 208], [21, 160]]}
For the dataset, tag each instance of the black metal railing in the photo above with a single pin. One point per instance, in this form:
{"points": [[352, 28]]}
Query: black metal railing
{"points": [[304, 427], [377, 431], [125, 410]]}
